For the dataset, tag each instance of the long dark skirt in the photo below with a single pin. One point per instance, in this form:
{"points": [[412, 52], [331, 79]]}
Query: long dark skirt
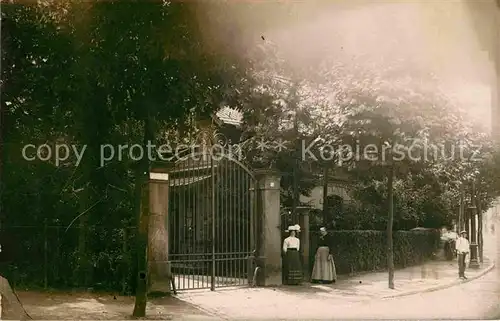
{"points": [[293, 267]]}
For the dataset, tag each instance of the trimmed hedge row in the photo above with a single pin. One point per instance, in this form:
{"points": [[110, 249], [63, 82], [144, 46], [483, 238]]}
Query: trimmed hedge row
{"points": [[360, 251]]}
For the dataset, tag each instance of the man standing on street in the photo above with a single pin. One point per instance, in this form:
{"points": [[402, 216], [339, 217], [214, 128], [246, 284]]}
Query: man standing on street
{"points": [[462, 247]]}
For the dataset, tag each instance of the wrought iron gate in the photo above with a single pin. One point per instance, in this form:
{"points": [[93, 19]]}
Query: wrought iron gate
{"points": [[210, 222]]}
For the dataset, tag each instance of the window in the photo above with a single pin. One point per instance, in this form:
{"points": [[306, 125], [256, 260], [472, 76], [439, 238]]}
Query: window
{"points": [[334, 203]]}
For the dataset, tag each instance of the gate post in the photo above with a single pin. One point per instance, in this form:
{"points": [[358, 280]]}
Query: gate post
{"points": [[158, 265], [305, 243], [268, 227]]}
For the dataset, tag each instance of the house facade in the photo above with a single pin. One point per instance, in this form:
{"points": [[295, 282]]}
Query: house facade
{"points": [[337, 189]]}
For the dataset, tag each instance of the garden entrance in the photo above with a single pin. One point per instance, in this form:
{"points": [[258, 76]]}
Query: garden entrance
{"points": [[210, 222]]}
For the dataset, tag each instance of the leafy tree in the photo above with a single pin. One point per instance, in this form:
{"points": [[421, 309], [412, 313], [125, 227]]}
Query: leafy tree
{"points": [[120, 73], [289, 108], [389, 118]]}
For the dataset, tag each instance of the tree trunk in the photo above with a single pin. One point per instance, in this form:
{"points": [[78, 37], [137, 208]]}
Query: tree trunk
{"points": [[142, 224], [12, 309], [390, 223]]}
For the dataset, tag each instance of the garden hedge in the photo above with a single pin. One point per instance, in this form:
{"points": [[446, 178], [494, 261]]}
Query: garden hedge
{"points": [[359, 251]]}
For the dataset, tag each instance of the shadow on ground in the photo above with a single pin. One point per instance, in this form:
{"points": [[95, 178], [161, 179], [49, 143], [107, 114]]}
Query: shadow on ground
{"points": [[88, 306]]}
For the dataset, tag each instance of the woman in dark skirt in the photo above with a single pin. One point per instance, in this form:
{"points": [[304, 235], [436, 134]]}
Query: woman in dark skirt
{"points": [[324, 267], [291, 247]]}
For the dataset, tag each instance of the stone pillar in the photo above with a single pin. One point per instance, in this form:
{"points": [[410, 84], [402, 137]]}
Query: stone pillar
{"points": [[159, 267], [268, 227]]}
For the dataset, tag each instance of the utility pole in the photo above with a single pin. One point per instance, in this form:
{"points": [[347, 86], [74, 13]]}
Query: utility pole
{"points": [[390, 223], [296, 158], [325, 196], [295, 178]]}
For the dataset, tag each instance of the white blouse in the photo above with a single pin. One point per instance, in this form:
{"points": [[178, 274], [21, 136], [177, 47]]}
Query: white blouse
{"points": [[291, 242]]}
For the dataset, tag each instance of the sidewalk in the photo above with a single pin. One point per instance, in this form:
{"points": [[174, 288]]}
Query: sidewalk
{"points": [[424, 278], [346, 299], [289, 302]]}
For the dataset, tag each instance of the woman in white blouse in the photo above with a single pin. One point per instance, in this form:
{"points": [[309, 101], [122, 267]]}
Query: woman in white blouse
{"points": [[292, 265]]}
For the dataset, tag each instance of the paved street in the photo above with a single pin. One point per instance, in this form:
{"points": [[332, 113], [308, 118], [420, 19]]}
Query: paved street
{"points": [[477, 299], [473, 300]]}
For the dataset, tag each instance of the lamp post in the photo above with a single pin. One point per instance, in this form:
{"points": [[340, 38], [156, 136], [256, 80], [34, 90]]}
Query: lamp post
{"points": [[473, 263]]}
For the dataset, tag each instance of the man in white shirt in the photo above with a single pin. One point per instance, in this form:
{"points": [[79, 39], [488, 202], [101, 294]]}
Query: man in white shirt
{"points": [[462, 247]]}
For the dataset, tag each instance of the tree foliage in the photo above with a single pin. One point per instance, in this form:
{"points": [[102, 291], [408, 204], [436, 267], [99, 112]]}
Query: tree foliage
{"points": [[358, 116], [115, 73], [93, 74]]}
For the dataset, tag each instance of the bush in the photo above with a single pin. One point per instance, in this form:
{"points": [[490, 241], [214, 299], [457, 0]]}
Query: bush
{"points": [[366, 250], [109, 261]]}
